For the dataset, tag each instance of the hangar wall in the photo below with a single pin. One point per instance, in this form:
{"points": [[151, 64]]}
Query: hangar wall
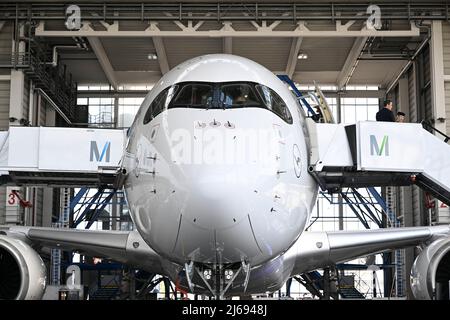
{"points": [[446, 53], [5, 84], [417, 94], [16, 99]]}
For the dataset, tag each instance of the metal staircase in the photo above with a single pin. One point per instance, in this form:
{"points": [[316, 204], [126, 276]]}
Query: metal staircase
{"points": [[55, 270], [56, 254], [366, 203], [105, 293], [349, 292], [313, 282], [87, 207], [52, 79]]}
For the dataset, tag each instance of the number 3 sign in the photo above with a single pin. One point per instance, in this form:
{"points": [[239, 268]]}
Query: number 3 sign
{"points": [[11, 198]]}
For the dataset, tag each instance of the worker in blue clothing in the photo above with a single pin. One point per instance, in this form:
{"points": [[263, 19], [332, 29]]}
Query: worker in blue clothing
{"points": [[386, 114]]}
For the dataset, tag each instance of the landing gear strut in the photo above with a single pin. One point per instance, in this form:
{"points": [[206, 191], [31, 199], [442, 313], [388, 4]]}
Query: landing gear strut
{"points": [[218, 279]]}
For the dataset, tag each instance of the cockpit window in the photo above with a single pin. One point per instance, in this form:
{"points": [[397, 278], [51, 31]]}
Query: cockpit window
{"points": [[274, 102], [159, 104], [193, 96], [225, 95], [238, 95]]}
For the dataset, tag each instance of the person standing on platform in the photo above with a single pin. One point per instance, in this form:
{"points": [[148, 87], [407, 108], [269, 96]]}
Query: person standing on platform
{"points": [[400, 117], [386, 114]]}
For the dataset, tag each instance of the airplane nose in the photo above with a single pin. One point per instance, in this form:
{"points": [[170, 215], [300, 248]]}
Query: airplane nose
{"points": [[216, 219], [217, 201]]}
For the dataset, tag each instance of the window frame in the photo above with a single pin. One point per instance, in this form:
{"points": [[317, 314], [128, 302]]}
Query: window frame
{"points": [[288, 118], [149, 114]]}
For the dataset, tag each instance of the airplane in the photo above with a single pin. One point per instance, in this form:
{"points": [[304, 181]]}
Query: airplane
{"points": [[217, 182]]}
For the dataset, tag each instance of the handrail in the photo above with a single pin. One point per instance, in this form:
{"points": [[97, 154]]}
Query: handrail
{"points": [[426, 124], [285, 78]]}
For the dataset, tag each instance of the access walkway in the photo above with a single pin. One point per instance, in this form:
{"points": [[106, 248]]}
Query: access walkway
{"points": [[61, 157], [379, 154]]}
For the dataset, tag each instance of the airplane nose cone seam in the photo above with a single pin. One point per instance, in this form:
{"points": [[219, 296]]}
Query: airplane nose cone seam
{"points": [[253, 233]]}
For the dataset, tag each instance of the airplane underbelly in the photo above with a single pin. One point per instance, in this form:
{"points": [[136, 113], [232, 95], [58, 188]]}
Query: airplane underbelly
{"points": [[222, 222]]}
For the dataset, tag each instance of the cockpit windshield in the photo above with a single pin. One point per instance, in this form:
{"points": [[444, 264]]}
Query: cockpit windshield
{"points": [[225, 95], [193, 95], [238, 95]]}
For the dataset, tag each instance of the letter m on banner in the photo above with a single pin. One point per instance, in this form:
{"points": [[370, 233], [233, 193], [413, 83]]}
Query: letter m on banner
{"points": [[378, 149], [97, 155]]}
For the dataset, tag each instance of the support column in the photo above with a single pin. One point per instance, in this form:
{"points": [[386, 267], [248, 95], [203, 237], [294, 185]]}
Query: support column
{"points": [[14, 213], [403, 98], [326, 284], [47, 208], [50, 115], [17, 81], [408, 221], [114, 213], [116, 111], [341, 212], [50, 119], [404, 211], [338, 108], [437, 75], [16, 96]]}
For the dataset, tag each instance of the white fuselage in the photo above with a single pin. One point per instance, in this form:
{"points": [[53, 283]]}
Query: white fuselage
{"points": [[219, 185]]}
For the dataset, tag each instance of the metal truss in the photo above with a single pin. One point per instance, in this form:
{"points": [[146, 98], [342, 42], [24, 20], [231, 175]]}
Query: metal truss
{"points": [[263, 30], [215, 11]]}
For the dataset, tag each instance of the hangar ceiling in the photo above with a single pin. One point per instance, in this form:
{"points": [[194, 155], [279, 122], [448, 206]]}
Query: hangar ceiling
{"points": [[327, 56], [333, 58]]}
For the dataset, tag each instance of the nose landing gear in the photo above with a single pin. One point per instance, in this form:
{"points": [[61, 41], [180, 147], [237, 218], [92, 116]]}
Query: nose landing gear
{"points": [[217, 278]]}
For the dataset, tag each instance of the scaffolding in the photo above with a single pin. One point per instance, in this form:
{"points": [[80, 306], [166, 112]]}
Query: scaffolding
{"points": [[216, 11], [56, 254], [53, 80]]}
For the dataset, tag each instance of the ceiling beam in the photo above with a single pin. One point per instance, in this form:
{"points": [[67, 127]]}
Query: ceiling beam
{"points": [[160, 49], [102, 57], [262, 32], [161, 53], [227, 42], [293, 56], [350, 62]]}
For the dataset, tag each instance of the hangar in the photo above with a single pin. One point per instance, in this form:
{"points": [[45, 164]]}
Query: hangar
{"points": [[74, 76]]}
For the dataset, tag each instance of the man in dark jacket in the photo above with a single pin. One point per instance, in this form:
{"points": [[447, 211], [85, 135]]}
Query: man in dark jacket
{"points": [[386, 113]]}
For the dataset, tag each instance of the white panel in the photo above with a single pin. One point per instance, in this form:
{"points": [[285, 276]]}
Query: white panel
{"points": [[437, 160], [443, 213], [402, 150], [23, 147], [3, 148], [16, 94], [329, 146], [68, 149]]}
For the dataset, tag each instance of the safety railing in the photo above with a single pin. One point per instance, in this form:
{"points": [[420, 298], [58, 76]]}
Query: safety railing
{"points": [[427, 126]]}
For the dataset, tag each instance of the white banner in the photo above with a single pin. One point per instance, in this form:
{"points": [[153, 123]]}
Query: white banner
{"points": [[63, 149], [390, 146], [70, 149]]}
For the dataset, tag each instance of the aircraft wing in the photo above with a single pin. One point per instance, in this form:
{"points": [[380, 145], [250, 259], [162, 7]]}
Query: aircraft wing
{"points": [[315, 250], [123, 246]]}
